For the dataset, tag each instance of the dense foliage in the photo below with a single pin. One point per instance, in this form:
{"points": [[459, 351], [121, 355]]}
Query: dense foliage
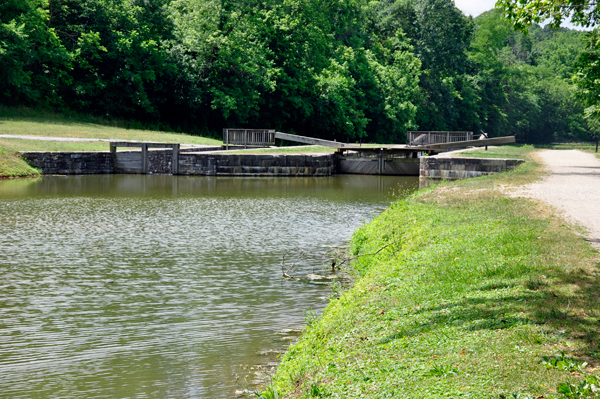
{"points": [[343, 69], [586, 13]]}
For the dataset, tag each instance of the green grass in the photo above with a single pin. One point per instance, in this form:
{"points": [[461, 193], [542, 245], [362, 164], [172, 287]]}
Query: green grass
{"points": [[16, 145], [286, 150], [12, 165], [513, 151], [23, 122], [64, 128], [36, 123], [476, 291]]}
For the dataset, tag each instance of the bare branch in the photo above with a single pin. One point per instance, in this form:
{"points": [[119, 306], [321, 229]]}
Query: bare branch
{"points": [[285, 272]]}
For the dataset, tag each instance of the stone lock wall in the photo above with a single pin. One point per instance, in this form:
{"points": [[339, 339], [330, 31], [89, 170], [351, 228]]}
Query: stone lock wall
{"points": [[190, 163], [71, 163], [256, 164], [160, 160], [464, 168]]}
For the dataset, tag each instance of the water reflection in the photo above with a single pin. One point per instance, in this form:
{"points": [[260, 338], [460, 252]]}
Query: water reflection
{"points": [[159, 286]]}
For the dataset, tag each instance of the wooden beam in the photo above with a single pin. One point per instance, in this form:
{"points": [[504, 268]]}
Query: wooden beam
{"points": [[471, 143], [312, 141], [130, 144], [395, 148]]}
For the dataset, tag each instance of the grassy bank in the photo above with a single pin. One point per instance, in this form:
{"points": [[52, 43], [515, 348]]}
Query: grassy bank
{"points": [[22, 122], [12, 165], [304, 149], [514, 151], [470, 294]]}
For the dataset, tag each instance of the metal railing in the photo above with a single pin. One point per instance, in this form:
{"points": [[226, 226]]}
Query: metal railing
{"points": [[249, 137], [428, 138]]}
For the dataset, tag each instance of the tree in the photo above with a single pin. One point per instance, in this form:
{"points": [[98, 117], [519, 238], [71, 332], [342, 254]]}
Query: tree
{"points": [[34, 64], [585, 13], [523, 13]]}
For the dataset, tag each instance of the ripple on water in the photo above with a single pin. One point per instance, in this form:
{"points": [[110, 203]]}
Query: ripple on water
{"points": [[159, 286]]}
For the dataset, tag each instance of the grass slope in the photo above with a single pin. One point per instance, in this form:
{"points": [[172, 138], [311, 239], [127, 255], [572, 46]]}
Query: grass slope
{"points": [[22, 122], [473, 290], [12, 165], [514, 151]]}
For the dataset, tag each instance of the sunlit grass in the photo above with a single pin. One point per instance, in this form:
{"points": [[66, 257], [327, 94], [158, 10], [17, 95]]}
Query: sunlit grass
{"points": [[286, 150], [514, 151], [25, 122], [474, 291], [12, 165]]}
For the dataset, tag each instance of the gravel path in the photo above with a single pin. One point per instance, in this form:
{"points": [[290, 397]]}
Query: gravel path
{"points": [[44, 138], [573, 187], [77, 139]]}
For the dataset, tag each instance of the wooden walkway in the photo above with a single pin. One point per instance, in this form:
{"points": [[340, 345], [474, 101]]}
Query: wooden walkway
{"points": [[430, 142], [396, 148]]}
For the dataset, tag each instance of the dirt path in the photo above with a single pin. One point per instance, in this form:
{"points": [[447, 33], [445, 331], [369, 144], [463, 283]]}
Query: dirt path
{"points": [[573, 187]]}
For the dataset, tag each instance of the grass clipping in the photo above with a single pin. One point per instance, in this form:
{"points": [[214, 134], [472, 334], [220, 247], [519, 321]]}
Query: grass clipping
{"points": [[481, 295]]}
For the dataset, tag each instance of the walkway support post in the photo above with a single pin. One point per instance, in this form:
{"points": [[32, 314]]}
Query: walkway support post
{"points": [[175, 164], [144, 158], [113, 151]]}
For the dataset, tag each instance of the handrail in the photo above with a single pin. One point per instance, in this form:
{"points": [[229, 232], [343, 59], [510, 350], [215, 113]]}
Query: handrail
{"points": [[249, 137], [425, 138]]}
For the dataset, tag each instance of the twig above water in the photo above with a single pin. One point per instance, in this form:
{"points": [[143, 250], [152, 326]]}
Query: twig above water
{"points": [[335, 261]]}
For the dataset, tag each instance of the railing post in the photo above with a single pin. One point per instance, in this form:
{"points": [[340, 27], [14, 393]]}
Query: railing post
{"points": [[245, 139], [227, 139]]}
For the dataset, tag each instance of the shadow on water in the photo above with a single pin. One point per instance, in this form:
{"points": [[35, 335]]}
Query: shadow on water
{"points": [[181, 186]]}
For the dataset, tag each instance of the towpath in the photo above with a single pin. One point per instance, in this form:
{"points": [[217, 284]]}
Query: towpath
{"points": [[573, 187], [80, 139]]}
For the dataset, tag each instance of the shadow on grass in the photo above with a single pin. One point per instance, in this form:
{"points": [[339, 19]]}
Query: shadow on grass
{"points": [[568, 306]]}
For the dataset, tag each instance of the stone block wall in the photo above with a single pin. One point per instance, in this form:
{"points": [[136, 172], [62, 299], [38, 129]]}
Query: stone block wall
{"points": [[464, 168], [256, 164], [190, 163], [71, 163], [160, 160]]}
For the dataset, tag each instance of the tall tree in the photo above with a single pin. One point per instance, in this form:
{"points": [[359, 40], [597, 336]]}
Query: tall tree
{"points": [[585, 13], [34, 64], [523, 13]]}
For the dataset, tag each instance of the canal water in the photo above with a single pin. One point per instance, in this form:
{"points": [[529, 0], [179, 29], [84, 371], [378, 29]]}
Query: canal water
{"points": [[126, 286]]}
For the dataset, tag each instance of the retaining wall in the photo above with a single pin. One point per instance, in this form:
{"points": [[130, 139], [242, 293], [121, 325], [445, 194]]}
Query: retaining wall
{"points": [[71, 163], [464, 168], [256, 164], [219, 164], [190, 163]]}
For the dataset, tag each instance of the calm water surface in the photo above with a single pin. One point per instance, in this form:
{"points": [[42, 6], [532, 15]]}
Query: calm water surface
{"points": [[160, 286]]}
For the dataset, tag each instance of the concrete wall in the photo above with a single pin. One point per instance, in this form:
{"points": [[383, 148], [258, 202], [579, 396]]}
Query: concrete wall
{"points": [[256, 164], [71, 163], [464, 168]]}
